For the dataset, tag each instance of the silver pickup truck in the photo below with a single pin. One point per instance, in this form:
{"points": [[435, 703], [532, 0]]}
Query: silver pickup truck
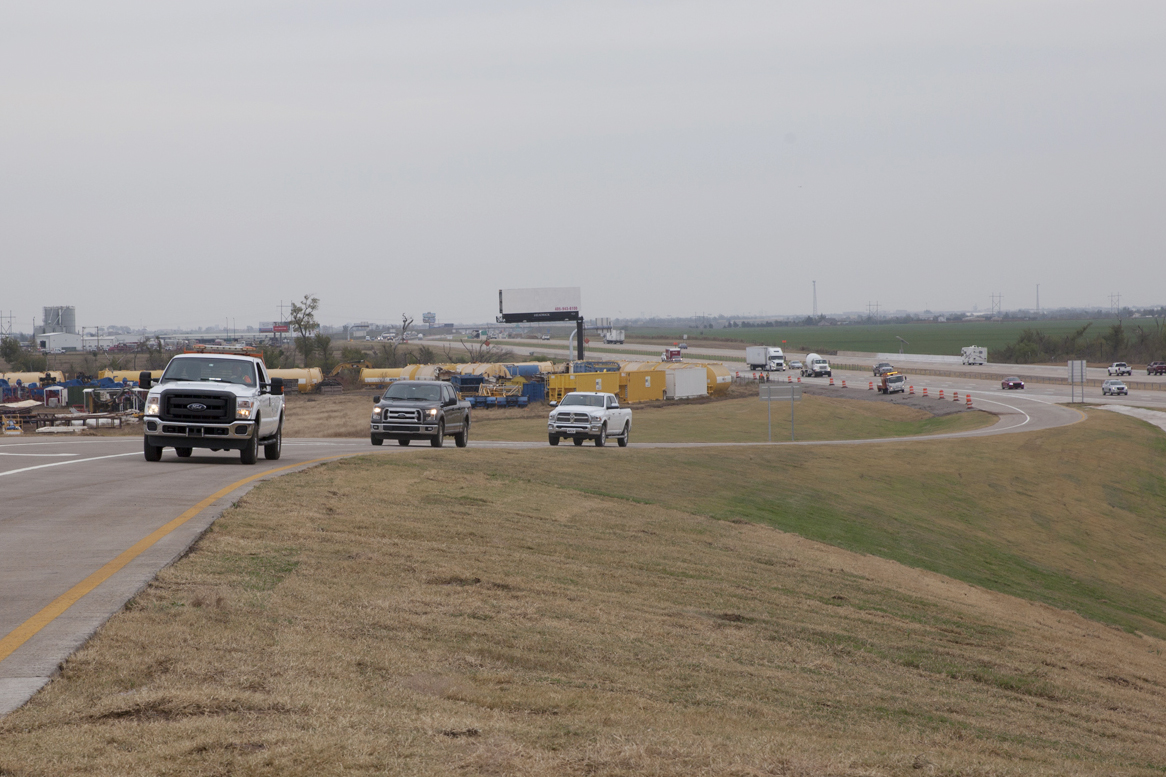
{"points": [[590, 415]]}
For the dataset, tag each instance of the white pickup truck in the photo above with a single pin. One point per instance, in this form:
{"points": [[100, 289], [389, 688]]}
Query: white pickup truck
{"points": [[221, 401], [590, 415]]}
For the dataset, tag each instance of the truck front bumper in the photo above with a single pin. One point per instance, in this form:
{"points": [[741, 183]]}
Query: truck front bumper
{"points": [[181, 434], [404, 431], [575, 430]]}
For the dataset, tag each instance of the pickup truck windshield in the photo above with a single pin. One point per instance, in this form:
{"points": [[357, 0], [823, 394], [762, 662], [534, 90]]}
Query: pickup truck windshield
{"points": [[414, 392], [200, 368], [581, 399]]}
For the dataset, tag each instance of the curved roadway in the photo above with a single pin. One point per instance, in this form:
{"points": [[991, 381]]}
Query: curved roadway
{"points": [[86, 523]]}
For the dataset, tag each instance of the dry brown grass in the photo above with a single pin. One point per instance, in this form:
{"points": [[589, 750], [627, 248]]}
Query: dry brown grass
{"points": [[400, 615]]}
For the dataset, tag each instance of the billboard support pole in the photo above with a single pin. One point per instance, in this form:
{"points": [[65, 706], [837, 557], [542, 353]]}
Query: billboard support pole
{"points": [[579, 338]]}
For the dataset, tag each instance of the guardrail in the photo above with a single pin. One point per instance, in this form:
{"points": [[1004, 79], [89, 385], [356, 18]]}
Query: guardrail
{"points": [[1130, 384]]}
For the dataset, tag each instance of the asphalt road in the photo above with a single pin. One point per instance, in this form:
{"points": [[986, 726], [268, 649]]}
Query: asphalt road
{"points": [[86, 523]]}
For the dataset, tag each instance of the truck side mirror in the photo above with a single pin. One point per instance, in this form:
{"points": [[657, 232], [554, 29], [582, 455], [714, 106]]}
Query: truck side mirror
{"points": [[376, 399], [277, 386], [144, 378]]}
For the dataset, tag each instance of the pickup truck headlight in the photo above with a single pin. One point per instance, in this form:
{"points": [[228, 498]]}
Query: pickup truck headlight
{"points": [[431, 412], [243, 408], [376, 412], [154, 405]]}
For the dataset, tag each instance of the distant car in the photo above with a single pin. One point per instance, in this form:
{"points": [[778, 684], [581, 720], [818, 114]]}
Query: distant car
{"points": [[882, 368], [1012, 383], [684, 346], [1114, 387], [1156, 368], [795, 365], [546, 337], [1120, 368]]}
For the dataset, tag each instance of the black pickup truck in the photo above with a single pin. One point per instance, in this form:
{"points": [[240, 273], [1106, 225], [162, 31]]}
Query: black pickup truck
{"points": [[420, 410]]}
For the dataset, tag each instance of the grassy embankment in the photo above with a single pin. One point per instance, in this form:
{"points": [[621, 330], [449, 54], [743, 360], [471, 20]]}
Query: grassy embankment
{"points": [[583, 612], [746, 420], [923, 336]]}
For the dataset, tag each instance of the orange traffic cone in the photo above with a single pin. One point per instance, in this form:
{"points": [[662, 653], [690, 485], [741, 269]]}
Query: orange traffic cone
{"points": [[969, 398]]}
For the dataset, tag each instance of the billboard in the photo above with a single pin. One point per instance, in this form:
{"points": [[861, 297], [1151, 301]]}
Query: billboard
{"points": [[547, 304], [281, 327]]}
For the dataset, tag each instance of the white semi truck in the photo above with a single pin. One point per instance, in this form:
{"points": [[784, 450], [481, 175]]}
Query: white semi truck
{"points": [[613, 337], [764, 357]]}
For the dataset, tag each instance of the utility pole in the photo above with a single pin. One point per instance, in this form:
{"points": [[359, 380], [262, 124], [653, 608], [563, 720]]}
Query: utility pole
{"points": [[815, 298], [1038, 299]]}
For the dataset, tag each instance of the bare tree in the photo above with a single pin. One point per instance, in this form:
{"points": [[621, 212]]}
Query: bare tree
{"points": [[303, 321], [406, 322]]}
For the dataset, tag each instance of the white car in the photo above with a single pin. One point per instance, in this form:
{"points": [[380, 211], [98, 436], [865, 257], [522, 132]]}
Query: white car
{"points": [[590, 415], [1114, 388], [1120, 368], [217, 400]]}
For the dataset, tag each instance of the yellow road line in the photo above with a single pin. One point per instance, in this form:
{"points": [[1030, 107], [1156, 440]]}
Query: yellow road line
{"points": [[27, 630]]}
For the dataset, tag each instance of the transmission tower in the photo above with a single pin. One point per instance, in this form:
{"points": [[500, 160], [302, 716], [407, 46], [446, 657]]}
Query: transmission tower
{"points": [[1114, 303], [997, 304]]}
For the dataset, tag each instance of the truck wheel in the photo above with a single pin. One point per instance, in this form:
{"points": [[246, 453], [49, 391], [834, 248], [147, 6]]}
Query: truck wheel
{"points": [[553, 439], [274, 449], [578, 442], [250, 454], [439, 439], [184, 453], [151, 452], [601, 440], [623, 439], [403, 443], [462, 438], [376, 440]]}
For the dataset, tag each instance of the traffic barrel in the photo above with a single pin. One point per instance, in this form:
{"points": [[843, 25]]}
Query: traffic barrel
{"points": [[870, 385], [969, 398], [955, 396], [789, 378], [843, 384], [941, 393], [925, 392], [831, 380], [910, 389]]}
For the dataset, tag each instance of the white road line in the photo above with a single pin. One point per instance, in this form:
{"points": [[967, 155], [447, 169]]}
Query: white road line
{"points": [[40, 454], [48, 441], [62, 463]]}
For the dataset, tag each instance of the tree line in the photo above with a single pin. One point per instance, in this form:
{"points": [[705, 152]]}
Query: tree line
{"points": [[1139, 344]]}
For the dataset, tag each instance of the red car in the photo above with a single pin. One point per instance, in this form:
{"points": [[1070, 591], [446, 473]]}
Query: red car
{"points": [[1012, 383], [1156, 368]]}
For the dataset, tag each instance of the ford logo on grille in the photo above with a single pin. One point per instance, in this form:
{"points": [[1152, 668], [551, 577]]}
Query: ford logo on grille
{"points": [[196, 406]]}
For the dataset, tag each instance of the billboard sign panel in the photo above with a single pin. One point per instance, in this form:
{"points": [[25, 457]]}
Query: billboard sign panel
{"points": [[546, 304], [281, 328]]}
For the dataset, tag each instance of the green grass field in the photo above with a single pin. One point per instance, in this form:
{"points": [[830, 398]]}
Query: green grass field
{"points": [[924, 336]]}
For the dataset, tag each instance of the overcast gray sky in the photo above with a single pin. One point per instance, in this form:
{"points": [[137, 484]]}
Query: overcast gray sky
{"points": [[167, 164]]}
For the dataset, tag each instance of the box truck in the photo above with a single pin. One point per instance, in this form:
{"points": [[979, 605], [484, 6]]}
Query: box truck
{"points": [[764, 357], [613, 337]]}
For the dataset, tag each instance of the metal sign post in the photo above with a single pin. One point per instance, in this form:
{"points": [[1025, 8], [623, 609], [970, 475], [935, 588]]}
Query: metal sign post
{"points": [[780, 392]]}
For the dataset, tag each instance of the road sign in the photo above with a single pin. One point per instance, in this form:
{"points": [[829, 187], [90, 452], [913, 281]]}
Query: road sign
{"points": [[774, 392], [780, 392], [1077, 371]]}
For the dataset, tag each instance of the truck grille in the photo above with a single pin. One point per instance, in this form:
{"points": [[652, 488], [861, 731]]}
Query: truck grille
{"points": [[217, 408], [403, 415], [574, 418]]}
